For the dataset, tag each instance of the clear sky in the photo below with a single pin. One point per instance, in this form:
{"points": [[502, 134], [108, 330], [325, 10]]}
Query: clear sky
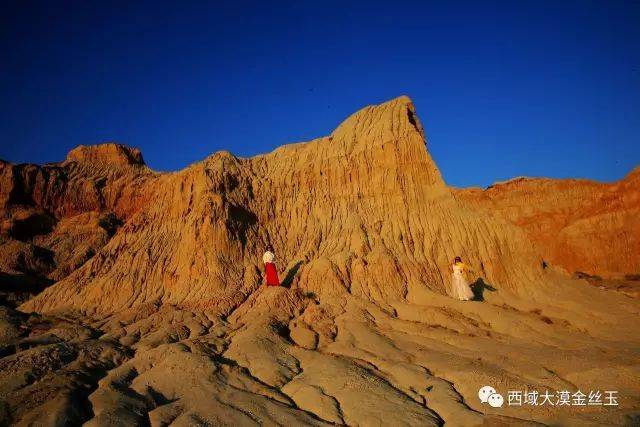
{"points": [[503, 88]]}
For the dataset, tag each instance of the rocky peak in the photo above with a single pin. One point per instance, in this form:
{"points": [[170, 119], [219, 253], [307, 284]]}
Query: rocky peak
{"points": [[388, 121], [109, 153]]}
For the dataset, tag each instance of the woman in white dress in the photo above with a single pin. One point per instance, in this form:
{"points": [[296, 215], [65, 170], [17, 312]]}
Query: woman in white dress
{"points": [[460, 288]]}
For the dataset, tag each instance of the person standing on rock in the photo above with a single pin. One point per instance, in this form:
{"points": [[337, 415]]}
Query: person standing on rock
{"points": [[270, 269], [460, 288]]}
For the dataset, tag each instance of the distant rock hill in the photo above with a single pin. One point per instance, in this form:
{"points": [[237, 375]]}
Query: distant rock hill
{"points": [[363, 211], [110, 153], [581, 225]]}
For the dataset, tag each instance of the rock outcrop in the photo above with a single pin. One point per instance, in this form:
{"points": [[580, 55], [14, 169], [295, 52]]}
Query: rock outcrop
{"points": [[157, 316], [325, 204], [579, 225], [109, 153], [63, 214]]}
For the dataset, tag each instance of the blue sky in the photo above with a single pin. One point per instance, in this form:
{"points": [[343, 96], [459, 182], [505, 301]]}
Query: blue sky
{"points": [[502, 88]]}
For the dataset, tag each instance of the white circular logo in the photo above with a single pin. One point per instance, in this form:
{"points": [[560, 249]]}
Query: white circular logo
{"points": [[485, 392], [496, 400]]}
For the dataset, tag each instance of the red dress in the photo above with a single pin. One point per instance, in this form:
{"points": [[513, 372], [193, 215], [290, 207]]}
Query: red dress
{"points": [[272, 274]]}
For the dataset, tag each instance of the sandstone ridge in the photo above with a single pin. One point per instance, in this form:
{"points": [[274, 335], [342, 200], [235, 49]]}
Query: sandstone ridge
{"points": [[580, 225], [325, 204], [153, 310], [111, 153]]}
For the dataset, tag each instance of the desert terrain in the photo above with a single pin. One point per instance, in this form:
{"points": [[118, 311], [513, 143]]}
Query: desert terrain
{"points": [[135, 297]]}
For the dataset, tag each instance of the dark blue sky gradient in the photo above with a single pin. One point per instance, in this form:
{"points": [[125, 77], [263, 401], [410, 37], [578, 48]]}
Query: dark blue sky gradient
{"points": [[503, 88]]}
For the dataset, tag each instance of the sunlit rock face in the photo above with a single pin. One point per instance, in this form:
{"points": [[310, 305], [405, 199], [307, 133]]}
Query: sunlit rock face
{"points": [[154, 310], [579, 225], [365, 210]]}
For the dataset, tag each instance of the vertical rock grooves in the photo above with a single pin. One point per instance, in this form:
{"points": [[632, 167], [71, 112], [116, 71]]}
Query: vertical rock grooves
{"points": [[175, 328], [364, 209]]}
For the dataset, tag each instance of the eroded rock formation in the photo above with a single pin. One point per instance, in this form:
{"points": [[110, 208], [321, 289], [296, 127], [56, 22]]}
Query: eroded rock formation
{"points": [[57, 216], [325, 203], [579, 225], [157, 315]]}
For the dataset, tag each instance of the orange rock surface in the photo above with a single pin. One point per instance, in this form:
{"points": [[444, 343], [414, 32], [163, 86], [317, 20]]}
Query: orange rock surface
{"points": [[365, 210], [153, 310], [579, 225]]}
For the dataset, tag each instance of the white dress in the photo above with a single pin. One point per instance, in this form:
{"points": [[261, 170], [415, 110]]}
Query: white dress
{"points": [[460, 289]]}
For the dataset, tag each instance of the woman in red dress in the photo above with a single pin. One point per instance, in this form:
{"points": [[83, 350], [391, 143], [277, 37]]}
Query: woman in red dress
{"points": [[272, 274]]}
